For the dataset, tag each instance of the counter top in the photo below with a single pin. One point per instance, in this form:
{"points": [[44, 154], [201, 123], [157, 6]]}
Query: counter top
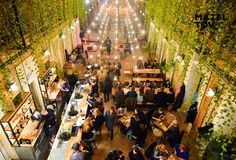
{"points": [[62, 150], [29, 132]]}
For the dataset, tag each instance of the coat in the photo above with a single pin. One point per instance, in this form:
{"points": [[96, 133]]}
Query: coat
{"points": [[110, 120], [107, 86]]}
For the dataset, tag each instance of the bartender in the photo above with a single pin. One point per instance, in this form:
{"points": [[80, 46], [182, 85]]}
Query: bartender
{"points": [[48, 115], [65, 88]]}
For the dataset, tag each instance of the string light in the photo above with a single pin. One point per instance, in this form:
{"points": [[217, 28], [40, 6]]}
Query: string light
{"points": [[46, 53]]}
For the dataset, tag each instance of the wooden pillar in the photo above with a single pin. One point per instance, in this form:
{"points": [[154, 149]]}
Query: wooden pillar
{"points": [[206, 100]]}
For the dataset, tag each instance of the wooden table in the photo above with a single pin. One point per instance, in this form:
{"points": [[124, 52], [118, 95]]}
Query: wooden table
{"points": [[145, 79], [147, 71], [125, 120], [69, 150], [164, 124], [113, 91]]}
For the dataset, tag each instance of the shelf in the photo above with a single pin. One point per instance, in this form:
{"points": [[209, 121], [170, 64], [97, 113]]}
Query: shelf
{"points": [[10, 115], [52, 79], [21, 115], [43, 74], [13, 95]]}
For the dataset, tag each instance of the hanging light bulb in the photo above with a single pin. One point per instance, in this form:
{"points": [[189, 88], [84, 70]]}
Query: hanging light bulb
{"points": [[13, 87], [88, 31], [87, 2], [63, 36], [210, 93], [46, 53]]}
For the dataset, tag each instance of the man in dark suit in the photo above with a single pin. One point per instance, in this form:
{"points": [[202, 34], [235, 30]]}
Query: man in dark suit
{"points": [[160, 99]]}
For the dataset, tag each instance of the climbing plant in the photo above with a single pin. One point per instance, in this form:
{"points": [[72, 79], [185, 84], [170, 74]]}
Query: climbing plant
{"points": [[216, 49], [176, 18]]}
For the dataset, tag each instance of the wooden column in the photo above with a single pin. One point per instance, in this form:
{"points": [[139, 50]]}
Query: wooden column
{"points": [[206, 100]]}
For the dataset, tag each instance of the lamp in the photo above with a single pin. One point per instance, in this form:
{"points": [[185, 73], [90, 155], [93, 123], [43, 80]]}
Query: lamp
{"points": [[63, 36], [13, 87], [87, 1], [46, 53]]}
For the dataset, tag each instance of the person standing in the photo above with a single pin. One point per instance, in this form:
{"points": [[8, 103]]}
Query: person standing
{"points": [[179, 98], [94, 83], [101, 74], [107, 87], [111, 118], [108, 45], [72, 79], [65, 88]]}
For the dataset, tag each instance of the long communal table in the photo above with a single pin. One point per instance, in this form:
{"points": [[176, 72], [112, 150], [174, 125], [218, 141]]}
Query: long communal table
{"points": [[62, 150]]}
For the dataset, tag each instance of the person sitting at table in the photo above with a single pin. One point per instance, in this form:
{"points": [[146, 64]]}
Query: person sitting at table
{"points": [[87, 129], [159, 152], [77, 153], [129, 84], [86, 149], [181, 151], [149, 94], [140, 64], [171, 136], [160, 99], [140, 94], [136, 154], [119, 97], [171, 96], [140, 116], [132, 93], [154, 65], [98, 119], [115, 155], [133, 129], [147, 64], [158, 114]]}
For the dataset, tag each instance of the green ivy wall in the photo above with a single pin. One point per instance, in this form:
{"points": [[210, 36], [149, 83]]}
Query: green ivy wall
{"points": [[25, 21], [176, 18]]}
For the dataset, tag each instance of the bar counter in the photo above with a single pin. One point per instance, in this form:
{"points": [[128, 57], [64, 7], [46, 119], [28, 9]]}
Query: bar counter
{"points": [[62, 150]]}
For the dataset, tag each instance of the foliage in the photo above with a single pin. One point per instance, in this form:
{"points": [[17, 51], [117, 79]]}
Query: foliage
{"points": [[176, 18], [36, 18]]}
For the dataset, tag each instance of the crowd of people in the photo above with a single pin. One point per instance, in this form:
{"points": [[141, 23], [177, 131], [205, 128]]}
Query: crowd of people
{"points": [[104, 78]]}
